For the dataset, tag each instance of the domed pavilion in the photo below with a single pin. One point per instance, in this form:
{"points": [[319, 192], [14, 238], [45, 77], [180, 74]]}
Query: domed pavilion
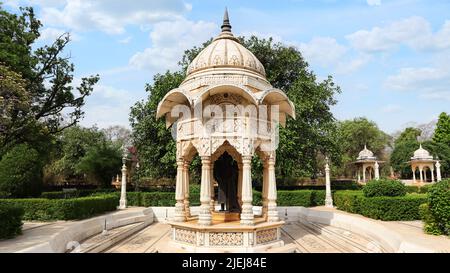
{"points": [[424, 162], [226, 112], [368, 164]]}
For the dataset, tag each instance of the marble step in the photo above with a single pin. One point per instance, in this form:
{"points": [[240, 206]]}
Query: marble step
{"points": [[101, 242]]}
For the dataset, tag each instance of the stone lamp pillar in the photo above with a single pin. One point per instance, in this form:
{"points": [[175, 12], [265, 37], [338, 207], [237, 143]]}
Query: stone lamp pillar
{"points": [[328, 195], [438, 171], [377, 171], [123, 192], [272, 192]]}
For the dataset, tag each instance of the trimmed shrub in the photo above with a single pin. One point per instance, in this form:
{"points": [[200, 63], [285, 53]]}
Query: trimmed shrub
{"points": [[10, 221], [430, 223], [417, 189], [384, 187], [75, 194], [157, 199], [437, 216], [335, 185], [301, 198], [405, 208], [64, 209], [349, 201], [21, 172], [400, 208]]}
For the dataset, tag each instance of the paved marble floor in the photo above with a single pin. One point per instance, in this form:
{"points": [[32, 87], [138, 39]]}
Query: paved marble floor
{"points": [[306, 237]]}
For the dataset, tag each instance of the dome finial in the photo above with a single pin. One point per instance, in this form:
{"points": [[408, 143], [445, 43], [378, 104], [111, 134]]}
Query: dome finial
{"points": [[226, 27]]}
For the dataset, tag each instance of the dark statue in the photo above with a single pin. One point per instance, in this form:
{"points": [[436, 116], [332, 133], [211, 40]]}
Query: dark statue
{"points": [[226, 174]]}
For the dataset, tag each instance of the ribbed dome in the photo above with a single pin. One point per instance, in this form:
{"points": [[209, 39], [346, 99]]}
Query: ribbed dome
{"points": [[365, 154], [421, 153], [226, 51]]}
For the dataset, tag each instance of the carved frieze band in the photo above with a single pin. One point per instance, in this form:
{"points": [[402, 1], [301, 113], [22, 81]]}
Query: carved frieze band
{"points": [[226, 239], [266, 236], [185, 236]]}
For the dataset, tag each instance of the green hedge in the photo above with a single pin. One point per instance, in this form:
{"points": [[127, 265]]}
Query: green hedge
{"points": [[384, 187], [417, 189], [157, 199], [405, 208], [301, 198], [64, 209], [305, 198], [436, 213], [10, 221], [75, 194]]}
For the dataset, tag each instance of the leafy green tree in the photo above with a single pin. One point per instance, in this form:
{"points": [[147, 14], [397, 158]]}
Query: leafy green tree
{"points": [[14, 99], [85, 151], [410, 134], [102, 161], [401, 155], [442, 132], [21, 172], [56, 103], [311, 133], [73, 144], [154, 142]]}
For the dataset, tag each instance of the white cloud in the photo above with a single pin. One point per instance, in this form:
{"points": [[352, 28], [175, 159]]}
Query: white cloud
{"points": [[374, 2], [328, 53], [415, 32], [324, 51], [126, 40], [429, 82], [110, 16], [169, 41], [391, 108], [108, 106]]}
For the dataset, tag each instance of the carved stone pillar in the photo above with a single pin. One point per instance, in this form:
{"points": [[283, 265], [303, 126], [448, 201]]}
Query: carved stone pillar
{"points": [[377, 171], [432, 174], [421, 173], [239, 191], [265, 188], [364, 173], [186, 178], [123, 189], [247, 217], [414, 174], [212, 203], [328, 195], [205, 193], [180, 213], [272, 211], [438, 172]]}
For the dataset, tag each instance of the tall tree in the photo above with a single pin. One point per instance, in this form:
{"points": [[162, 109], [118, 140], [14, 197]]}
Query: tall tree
{"points": [[55, 103], [410, 134], [442, 132], [311, 133], [154, 142]]}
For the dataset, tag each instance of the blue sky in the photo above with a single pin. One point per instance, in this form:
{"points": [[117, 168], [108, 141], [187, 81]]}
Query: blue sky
{"points": [[391, 58]]}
